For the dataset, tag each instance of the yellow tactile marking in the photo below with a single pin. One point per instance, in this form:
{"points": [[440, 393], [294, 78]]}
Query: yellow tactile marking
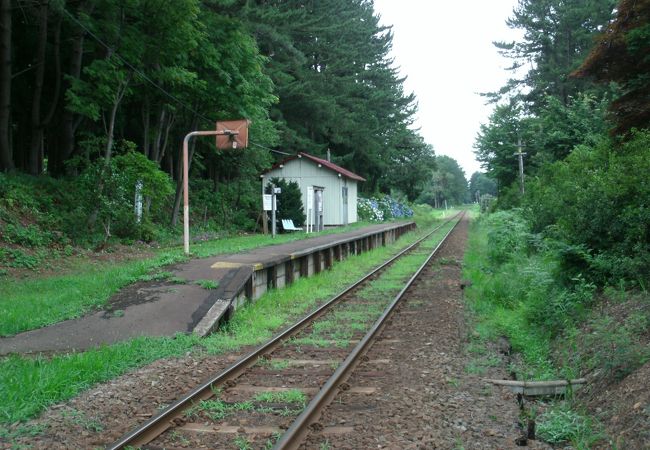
{"points": [[226, 265]]}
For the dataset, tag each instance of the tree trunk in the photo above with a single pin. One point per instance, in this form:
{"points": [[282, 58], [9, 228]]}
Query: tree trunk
{"points": [[179, 178], [170, 164], [69, 121], [146, 120], [170, 122], [47, 120], [34, 162], [110, 134], [155, 150], [108, 150], [6, 154]]}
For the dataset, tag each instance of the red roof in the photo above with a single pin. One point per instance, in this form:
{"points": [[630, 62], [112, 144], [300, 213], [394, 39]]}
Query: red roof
{"points": [[323, 162]]}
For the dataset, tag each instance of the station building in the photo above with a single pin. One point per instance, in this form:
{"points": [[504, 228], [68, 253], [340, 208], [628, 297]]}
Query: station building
{"points": [[329, 192]]}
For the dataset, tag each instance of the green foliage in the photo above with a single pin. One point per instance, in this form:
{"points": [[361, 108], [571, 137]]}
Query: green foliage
{"points": [[614, 345], [593, 202], [486, 203], [309, 75], [30, 235], [517, 289], [19, 259], [109, 191], [508, 236], [330, 63], [557, 35], [446, 183], [497, 141], [481, 184], [561, 126]]}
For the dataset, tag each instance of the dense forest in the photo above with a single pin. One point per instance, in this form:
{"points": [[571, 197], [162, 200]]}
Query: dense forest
{"points": [[581, 113], [97, 95]]}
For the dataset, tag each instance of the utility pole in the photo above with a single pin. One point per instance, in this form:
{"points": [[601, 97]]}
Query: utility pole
{"points": [[520, 155]]}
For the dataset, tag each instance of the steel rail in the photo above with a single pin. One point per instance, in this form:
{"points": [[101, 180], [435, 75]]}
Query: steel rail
{"points": [[295, 434], [158, 424]]}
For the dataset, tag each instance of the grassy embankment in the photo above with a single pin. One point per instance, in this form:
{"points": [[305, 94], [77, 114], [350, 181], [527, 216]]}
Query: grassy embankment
{"points": [[559, 327], [28, 385]]}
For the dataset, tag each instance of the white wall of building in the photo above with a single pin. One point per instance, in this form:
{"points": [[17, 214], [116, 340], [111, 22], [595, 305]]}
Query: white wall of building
{"points": [[307, 173]]}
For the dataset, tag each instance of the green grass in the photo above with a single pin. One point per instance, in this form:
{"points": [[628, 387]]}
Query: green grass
{"points": [[35, 303], [242, 443], [28, 385], [555, 324], [276, 364], [561, 424], [339, 328], [291, 396], [217, 409], [26, 304], [157, 276], [495, 316], [208, 284]]}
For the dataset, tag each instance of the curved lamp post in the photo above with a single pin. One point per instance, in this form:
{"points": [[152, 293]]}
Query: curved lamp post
{"points": [[231, 134]]}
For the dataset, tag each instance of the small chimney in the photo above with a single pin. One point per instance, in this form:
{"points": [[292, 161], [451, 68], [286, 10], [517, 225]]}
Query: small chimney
{"points": [[329, 156]]}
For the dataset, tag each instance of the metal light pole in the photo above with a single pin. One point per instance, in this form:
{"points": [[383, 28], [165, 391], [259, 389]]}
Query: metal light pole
{"points": [[232, 134]]}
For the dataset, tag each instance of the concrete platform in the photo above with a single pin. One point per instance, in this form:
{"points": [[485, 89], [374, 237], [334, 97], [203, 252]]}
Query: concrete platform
{"points": [[164, 308]]}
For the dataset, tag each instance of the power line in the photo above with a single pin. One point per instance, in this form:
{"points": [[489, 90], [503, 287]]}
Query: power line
{"points": [[271, 150]]}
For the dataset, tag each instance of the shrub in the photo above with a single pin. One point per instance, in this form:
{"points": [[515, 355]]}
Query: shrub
{"points": [[597, 200], [378, 209], [368, 210], [30, 235], [108, 192], [508, 235]]}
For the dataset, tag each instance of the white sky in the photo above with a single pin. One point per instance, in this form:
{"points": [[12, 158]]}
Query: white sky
{"points": [[445, 49]]}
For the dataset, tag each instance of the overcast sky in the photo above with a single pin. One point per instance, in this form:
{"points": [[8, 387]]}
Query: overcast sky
{"points": [[445, 49]]}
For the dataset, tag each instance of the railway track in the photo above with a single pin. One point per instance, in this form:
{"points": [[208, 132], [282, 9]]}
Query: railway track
{"points": [[270, 397]]}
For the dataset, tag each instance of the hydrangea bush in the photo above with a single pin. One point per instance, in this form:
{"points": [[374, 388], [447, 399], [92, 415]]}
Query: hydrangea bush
{"points": [[379, 209]]}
